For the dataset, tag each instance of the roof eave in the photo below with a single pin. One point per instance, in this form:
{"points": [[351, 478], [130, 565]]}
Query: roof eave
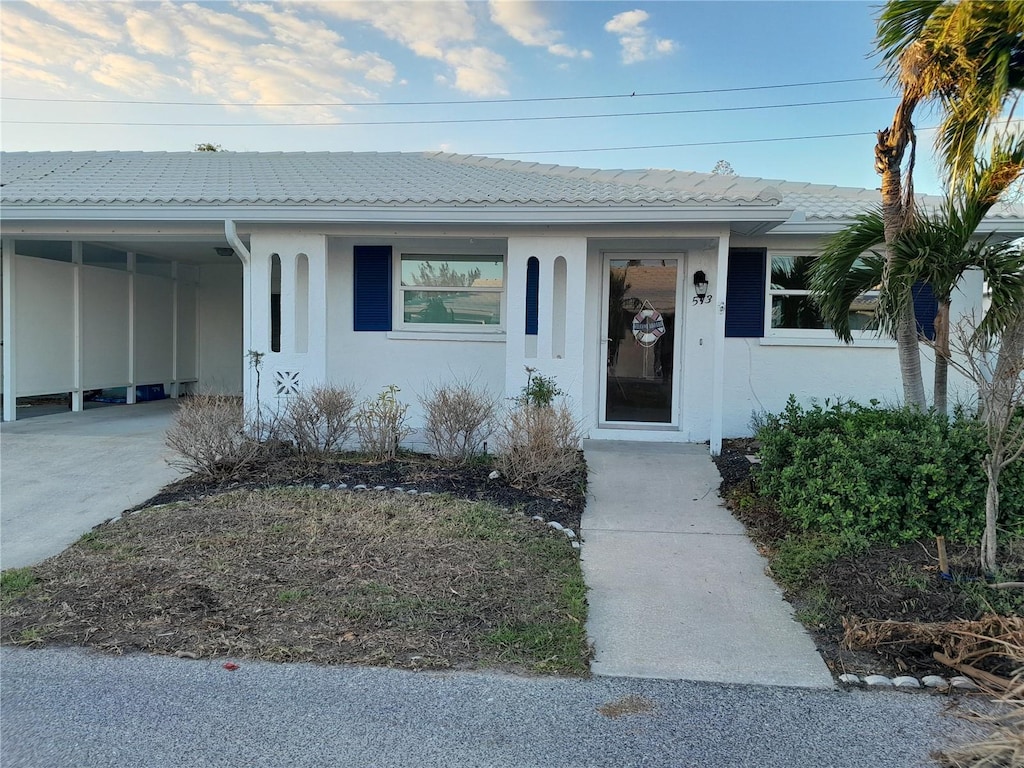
{"points": [[768, 215], [1011, 227]]}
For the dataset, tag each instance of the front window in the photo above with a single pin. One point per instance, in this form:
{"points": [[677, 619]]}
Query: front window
{"points": [[792, 311], [451, 290]]}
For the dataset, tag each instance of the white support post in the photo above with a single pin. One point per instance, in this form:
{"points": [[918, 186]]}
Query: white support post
{"points": [[10, 374], [718, 369], [175, 298], [287, 310], [259, 326], [545, 304], [316, 307], [519, 252], [130, 388], [77, 396]]}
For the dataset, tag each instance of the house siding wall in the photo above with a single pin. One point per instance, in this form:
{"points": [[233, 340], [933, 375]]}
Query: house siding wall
{"points": [[761, 374], [373, 360]]}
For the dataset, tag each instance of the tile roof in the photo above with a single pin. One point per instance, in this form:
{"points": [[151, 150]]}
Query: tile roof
{"points": [[341, 178], [396, 179]]}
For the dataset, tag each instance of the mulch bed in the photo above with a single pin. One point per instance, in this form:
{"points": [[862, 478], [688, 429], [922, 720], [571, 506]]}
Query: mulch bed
{"points": [[899, 583], [563, 504]]}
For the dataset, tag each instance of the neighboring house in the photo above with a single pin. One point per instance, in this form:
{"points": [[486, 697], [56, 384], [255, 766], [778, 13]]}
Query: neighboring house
{"points": [[668, 305]]}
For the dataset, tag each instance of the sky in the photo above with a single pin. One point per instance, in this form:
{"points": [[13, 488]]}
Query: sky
{"points": [[553, 82]]}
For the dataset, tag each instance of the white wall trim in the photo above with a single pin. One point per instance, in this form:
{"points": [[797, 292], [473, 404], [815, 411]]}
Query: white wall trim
{"points": [[718, 368]]}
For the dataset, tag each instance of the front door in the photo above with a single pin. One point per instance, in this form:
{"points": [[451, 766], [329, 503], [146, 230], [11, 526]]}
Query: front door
{"points": [[641, 325]]}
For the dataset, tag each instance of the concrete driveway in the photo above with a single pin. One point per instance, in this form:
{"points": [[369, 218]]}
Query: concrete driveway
{"points": [[62, 474]]}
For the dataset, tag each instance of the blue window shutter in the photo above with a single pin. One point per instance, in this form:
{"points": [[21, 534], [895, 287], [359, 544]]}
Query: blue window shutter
{"points": [[925, 308], [532, 295], [372, 286], [744, 293]]}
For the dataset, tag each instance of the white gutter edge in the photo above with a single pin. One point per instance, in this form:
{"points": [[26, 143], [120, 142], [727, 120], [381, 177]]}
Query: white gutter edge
{"points": [[235, 241]]}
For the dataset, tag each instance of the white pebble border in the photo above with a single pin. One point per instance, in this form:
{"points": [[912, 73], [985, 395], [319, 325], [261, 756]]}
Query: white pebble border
{"points": [[936, 682], [570, 534]]}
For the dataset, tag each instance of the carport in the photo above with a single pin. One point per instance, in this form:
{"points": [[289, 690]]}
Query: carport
{"points": [[137, 317]]}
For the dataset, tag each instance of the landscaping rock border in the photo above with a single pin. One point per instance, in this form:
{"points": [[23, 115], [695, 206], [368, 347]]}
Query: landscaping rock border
{"points": [[907, 682]]}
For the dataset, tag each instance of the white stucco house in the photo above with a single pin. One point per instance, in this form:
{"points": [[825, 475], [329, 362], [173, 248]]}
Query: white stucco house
{"points": [[668, 305]]}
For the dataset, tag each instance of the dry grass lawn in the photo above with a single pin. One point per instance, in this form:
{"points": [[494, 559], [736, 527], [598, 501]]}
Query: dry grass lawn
{"points": [[297, 574]]}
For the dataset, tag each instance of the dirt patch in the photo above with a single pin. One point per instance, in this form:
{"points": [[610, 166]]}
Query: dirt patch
{"points": [[297, 574], [627, 705], [901, 583]]}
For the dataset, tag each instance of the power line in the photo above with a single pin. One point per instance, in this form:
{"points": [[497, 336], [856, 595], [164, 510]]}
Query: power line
{"points": [[688, 144], [537, 99], [453, 121], [1017, 121]]}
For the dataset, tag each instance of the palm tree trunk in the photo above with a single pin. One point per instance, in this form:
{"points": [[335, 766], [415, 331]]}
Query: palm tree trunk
{"points": [[940, 395], [889, 150]]}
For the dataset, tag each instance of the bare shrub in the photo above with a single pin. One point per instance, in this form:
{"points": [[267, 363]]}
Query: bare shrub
{"points": [[319, 420], [460, 418], [538, 445], [382, 425], [209, 436]]}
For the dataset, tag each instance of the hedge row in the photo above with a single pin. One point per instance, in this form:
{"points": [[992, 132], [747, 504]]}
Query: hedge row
{"points": [[886, 474]]}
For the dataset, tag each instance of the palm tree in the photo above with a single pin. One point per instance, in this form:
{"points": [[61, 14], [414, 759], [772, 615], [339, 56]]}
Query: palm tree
{"points": [[936, 250], [969, 58]]}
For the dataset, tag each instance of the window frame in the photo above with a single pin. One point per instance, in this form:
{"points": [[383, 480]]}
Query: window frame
{"points": [[399, 323], [806, 335]]}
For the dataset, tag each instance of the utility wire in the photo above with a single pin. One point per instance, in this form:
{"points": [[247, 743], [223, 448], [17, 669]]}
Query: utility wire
{"points": [[537, 99], [459, 121], [689, 144], [1017, 121]]}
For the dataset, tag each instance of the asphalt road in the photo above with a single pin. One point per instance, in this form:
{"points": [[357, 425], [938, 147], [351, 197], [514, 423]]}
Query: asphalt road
{"points": [[69, 707]]}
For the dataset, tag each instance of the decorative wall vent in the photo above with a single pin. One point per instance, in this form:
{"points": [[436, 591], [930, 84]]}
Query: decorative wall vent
{"points": [[286, 383]]}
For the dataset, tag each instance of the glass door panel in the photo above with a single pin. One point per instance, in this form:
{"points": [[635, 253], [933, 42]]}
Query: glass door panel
{"points": [[641, 330]]}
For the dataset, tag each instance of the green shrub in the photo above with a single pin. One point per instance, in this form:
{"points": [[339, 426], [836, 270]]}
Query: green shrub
{"points": [[885, 474], [540, 390]]}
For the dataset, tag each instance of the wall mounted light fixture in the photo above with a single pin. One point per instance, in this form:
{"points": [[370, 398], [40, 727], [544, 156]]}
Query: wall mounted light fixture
{"points": [[700, 287]]}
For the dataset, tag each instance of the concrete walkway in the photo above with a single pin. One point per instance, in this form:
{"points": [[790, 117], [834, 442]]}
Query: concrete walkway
{"points": [[677, 590], [62, 474]]}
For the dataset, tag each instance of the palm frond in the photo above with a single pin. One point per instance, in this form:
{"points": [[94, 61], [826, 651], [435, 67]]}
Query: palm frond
{"points": [[1003, 267], [899, 25], [846, 268], [967, 56]]}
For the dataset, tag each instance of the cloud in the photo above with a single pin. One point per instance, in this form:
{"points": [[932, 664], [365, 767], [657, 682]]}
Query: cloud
{"points": [[524, 22], [477, 71], [92, 19], [126, 73], [426, 29], [251, 52], [441, 31], [637, 43], [150, 32]]}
